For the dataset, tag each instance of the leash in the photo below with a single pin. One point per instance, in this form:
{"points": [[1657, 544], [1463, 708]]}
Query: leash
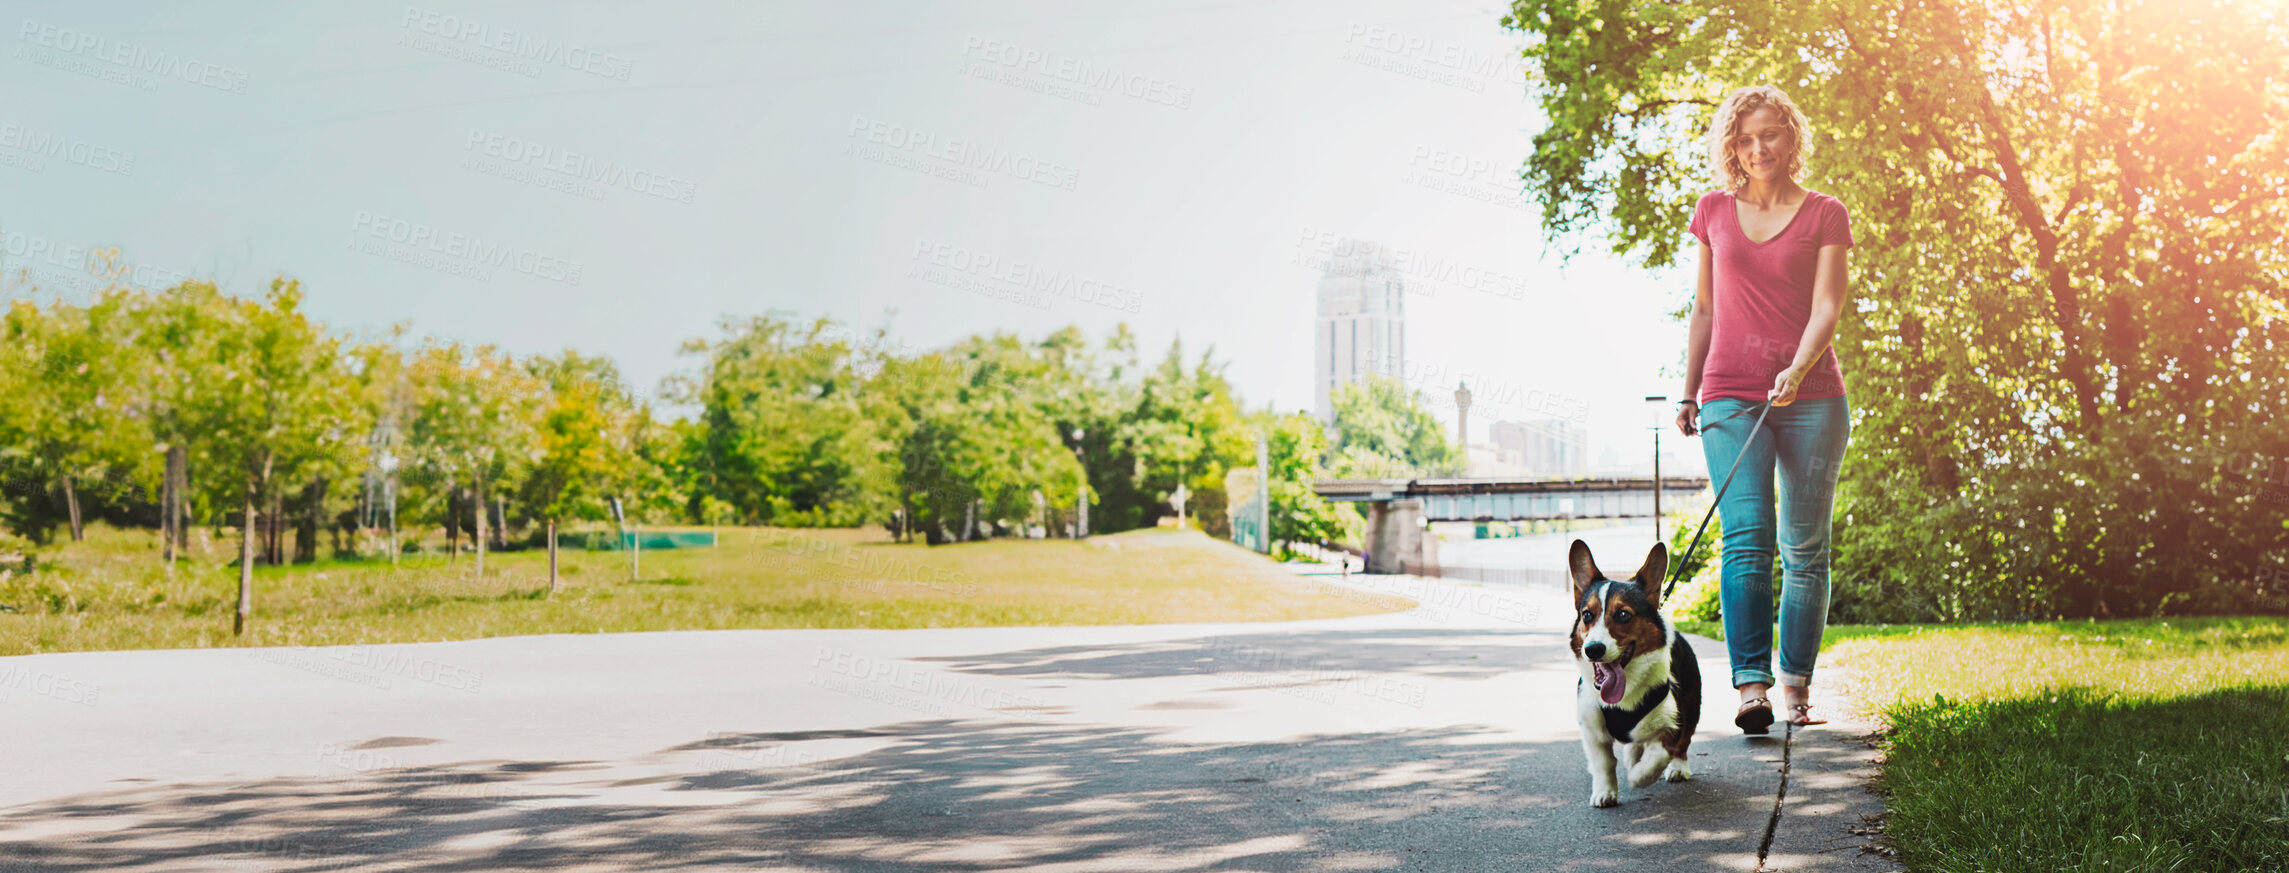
{"points": [[1712, 513]]}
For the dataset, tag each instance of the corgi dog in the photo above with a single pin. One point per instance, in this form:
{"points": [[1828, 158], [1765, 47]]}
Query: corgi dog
{"points": [[1640, 685]]}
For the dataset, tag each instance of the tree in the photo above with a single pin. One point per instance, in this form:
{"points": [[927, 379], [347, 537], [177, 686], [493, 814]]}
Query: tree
{"points": [[974, 442], [1384, 430], [69, 413], [280, 408], [474, 421], [785, 438], [1297, 450], [591, 440], [1186, 430], [2072, 301]]}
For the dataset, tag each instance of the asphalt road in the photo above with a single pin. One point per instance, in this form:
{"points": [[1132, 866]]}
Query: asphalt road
{"points": [[1438, 739]]}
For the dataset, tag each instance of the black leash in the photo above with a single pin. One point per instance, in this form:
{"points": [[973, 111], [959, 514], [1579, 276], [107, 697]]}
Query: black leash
{"points": [[1679, 572]]}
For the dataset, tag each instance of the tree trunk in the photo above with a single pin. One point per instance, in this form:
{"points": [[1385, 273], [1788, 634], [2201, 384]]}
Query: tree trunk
{"points": [[182, 498], [452, 523], [480, 532], [245, 568], [167, 519], [71, 507], [552, 557], [167, 514], [306, 527]]}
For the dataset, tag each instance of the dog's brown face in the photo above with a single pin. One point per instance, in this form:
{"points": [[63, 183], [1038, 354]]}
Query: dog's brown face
{"points": [[1615, 621]]}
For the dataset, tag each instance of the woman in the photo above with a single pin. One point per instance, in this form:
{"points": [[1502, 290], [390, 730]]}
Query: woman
{"points": [[1771, 290]]}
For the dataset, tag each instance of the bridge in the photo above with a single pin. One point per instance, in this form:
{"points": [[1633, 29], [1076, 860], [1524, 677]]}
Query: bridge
{"points": [[1399, 508]]}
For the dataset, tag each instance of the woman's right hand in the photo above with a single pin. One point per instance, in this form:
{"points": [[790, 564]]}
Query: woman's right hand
{"points": [[1688, 418]]}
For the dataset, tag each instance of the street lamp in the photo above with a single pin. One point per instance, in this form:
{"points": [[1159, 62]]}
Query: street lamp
{"points": [[1081, 530], [1657, 398]]}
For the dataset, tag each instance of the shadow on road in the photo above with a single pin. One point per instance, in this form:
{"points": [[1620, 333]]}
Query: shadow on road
{"points": [[932, 795], [1445, 653]]}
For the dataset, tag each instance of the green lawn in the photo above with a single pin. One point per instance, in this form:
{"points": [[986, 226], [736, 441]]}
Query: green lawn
{"points": [[2141, 745], [111, 592]]}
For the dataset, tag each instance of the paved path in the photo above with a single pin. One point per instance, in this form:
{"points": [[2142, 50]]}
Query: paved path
{"points": [[1437, 739]]}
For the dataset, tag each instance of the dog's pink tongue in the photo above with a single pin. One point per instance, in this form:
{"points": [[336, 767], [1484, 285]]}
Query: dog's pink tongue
{"points": [[1610, 682]]}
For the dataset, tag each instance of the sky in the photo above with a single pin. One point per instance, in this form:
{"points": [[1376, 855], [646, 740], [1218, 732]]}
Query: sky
{"points": [[620, 177]]}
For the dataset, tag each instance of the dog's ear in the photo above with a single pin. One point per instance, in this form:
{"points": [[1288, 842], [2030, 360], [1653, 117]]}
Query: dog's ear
{"points": [[1583, 570], [1655, 571]]}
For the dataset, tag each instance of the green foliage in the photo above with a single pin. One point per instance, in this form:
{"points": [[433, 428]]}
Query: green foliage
{"points": [[1298, 452], [474, 425], [1185, 429], [2069, 304], [592, 434], [785, 437], [1384, 430], [280, 406], [971, 430], [795, 426], [1698, 595], [65, 416]]}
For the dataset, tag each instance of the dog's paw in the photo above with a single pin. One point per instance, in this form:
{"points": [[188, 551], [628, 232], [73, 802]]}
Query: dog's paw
{"points": [[1604, 798], [1678, 772], [1648, 770]]}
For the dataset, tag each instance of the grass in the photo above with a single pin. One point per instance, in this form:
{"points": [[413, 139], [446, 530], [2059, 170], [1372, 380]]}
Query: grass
{"points": [[2141, 745], [111, 591]]}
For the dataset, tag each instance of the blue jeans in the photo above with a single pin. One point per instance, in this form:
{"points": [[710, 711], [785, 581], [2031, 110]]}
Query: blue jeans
{"points": [[1805, 441]]}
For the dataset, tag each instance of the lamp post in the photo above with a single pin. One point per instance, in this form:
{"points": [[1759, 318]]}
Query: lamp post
{"points": [[1462, 422], [1657, 398], [1081, 530]]}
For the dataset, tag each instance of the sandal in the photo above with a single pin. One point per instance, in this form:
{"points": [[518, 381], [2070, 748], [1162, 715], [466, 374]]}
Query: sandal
{"points": [[1803, 715], [1755, 716]]}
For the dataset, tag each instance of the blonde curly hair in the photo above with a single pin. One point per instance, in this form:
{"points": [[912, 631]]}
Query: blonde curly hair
{"points": [[1722, 164]]}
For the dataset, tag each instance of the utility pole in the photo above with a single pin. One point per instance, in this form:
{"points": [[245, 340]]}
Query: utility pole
{"points": [[1657, 398], [1462, 422], [1264, 492], [1080, 453], [552, 557]]}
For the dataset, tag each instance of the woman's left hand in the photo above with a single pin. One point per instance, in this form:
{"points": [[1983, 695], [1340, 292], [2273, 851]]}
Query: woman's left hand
{"points": [[1784, 387]]}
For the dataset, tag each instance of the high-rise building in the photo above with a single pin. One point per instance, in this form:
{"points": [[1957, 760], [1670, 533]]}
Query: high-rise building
{"points": [[1362, 320], [1543, 447]]}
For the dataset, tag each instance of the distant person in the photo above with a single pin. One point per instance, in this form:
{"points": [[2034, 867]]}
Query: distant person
{"points": [[1771, 288]]}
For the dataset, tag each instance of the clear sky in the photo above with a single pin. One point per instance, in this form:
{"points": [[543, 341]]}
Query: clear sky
{"points": [[616, 177]]}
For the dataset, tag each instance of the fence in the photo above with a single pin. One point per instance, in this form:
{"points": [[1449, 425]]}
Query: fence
{"points": [[609, 541]]}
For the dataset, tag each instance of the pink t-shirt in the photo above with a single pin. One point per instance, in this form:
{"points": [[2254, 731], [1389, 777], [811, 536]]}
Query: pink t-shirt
{"points": [[1763, 296]]}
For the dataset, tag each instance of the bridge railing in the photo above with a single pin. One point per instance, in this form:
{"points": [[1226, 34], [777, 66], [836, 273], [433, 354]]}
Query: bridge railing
{"points": [[1524, 576]]}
